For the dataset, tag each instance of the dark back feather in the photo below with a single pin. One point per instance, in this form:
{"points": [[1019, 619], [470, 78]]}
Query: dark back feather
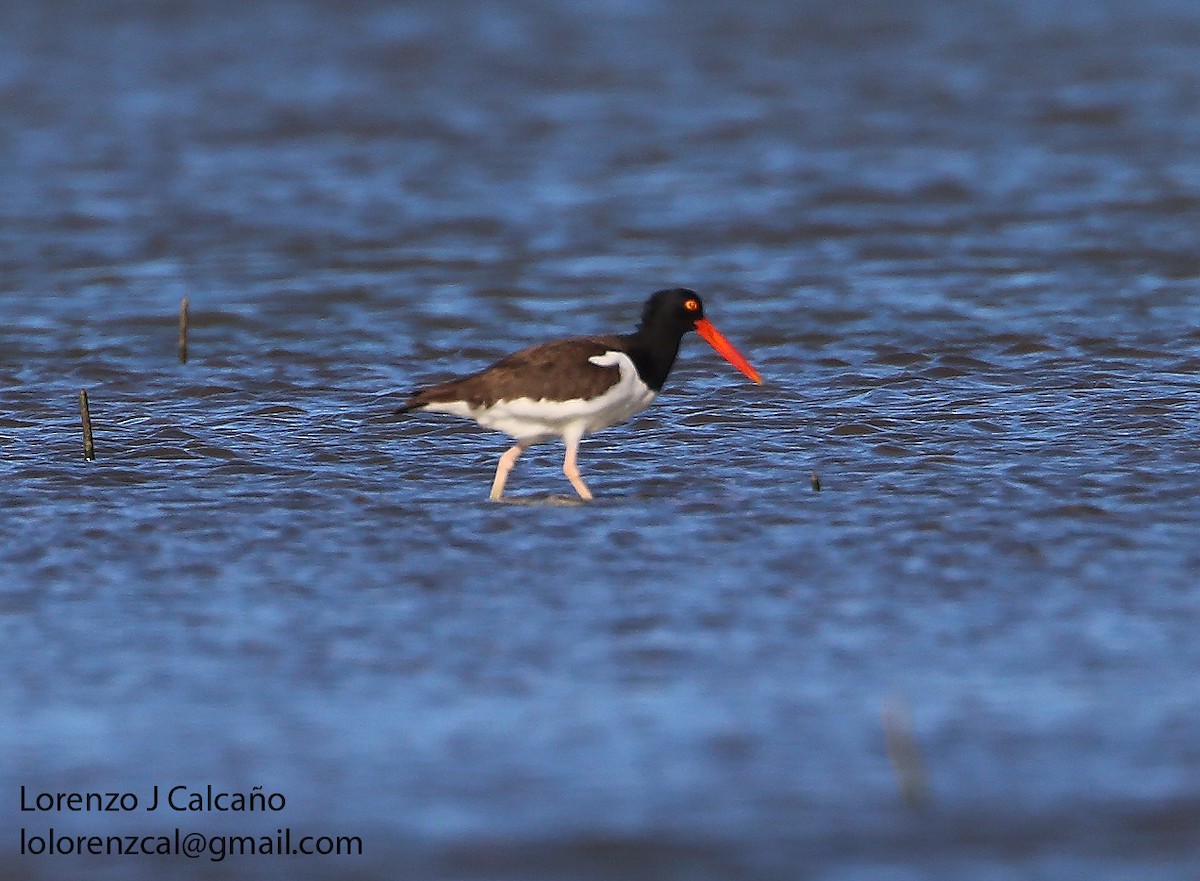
{"points": [[557, 371]]}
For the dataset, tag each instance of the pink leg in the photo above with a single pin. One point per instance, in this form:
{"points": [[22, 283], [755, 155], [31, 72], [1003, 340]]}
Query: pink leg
{"points": [[571, 469], [507, 461]]}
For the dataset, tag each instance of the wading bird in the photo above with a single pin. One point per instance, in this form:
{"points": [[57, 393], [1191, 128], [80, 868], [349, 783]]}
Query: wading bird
{"points": [[570, 388]]}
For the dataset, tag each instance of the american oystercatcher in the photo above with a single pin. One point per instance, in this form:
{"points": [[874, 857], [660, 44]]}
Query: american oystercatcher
{"points": [[571, 388]]}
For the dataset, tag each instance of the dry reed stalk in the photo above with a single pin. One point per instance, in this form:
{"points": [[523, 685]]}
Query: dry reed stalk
{"points": [[183, 331], [89, 448], [906, 757]]}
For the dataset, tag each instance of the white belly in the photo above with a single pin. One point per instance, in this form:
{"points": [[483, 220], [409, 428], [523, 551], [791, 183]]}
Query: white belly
{"points": [[528, 420]]}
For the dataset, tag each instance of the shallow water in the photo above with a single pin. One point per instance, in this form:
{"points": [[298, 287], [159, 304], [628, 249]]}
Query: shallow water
{"points": [[958, 240]]}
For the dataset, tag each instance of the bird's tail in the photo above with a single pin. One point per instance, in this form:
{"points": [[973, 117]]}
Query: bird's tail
{"points": [[425, 396], [416, 400]]}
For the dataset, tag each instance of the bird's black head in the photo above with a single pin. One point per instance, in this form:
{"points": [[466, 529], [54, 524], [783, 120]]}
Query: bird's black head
{"points": [[668, 315], [672, 310]]}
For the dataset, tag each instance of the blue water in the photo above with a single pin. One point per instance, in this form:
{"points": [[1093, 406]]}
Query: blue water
{"points": [[959, 242]]}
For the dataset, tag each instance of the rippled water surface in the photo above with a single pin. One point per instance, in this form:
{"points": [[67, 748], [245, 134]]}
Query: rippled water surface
{"points": [[958, 239]]}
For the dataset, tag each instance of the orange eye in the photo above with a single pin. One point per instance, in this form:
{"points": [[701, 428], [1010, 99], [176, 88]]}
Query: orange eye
{"points": [[691, 305]]}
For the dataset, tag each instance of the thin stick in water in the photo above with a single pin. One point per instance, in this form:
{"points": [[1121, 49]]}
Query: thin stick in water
{"points": [[183, 330], [816, 482], [906, 757], [89, 449]]}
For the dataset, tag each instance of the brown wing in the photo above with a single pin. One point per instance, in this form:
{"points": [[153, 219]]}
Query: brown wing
{"points": [[558, 371]]}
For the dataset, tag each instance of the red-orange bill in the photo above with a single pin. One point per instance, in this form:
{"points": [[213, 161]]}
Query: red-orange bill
{"points": [[725, 349]]}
